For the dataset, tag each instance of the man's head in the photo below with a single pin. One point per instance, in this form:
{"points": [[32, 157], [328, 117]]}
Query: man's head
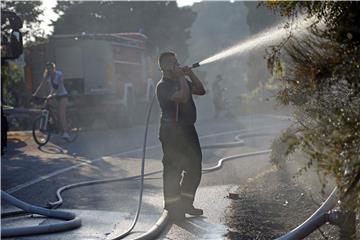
{"points": [[50, 66], [168, 61], [169, 64]]}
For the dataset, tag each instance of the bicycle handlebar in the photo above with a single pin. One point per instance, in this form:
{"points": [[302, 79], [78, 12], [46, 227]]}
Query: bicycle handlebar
{"points": [[41, 101]]}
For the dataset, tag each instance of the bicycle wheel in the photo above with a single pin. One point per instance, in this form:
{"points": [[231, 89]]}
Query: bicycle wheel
{"points": [[73, 130], [41, 131]]}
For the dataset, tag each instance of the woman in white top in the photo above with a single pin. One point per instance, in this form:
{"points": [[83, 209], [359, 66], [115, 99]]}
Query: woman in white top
{"points": [[54, 79]]}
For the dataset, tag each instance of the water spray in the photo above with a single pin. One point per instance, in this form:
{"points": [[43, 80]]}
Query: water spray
{"points": [[270, 36]]}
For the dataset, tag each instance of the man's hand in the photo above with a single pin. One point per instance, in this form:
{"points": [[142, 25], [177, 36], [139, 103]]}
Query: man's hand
{"points": [[49, 97], [187, 70], [179, 72]]}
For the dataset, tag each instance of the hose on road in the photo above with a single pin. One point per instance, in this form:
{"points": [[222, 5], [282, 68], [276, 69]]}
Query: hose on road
{"points": [[156, 229], [163, 219], [153, 231], [72, 221]]}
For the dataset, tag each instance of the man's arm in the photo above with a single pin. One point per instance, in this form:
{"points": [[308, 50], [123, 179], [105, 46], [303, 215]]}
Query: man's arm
{"points": [[39, 87], [197, 86]]}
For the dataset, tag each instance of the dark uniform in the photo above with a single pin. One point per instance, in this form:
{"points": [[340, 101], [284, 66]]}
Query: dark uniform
{"points": [[180, 143]]}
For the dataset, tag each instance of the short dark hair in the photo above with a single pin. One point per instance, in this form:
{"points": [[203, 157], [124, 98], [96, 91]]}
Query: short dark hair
{"points": [[49, 64], [163, 56]]}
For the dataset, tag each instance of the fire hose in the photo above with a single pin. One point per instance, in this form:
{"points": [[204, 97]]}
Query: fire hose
{"points": [[74, 222]]}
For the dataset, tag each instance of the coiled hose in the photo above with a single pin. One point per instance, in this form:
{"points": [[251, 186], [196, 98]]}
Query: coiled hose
{"points": [[239, 142], [72, 221], [153, 232]]}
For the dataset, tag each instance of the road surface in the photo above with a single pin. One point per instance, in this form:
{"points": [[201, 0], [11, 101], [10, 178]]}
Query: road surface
{"points": [[107, 210]]}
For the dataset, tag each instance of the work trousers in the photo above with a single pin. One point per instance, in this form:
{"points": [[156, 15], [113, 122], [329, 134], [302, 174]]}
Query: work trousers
{"points": [[182, 163]]}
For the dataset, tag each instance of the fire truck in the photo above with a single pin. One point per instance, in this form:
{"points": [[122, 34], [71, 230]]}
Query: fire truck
{"points": [[106, 75]]}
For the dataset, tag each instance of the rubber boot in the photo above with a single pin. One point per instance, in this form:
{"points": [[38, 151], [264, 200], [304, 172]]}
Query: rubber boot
{"points": [[190, 209]]}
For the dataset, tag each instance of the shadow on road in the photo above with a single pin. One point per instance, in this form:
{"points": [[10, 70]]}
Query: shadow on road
{"points": [[15, 143], [200, 228], [52, 149]]}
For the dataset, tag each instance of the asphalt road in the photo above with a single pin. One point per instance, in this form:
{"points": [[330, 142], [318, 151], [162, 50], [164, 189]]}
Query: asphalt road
{"points": [[34, 175]]}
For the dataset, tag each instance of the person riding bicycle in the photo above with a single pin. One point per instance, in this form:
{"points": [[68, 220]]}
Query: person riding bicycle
{"points": [[54, 79]]}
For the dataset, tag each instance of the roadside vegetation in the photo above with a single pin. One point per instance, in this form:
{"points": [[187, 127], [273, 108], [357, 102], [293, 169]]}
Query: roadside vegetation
{"points": [[11, 74], [319, 76]]}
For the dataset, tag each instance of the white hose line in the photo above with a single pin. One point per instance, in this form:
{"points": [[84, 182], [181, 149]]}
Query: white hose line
{"points": [[317, 219], [239, 142], [224, 145], [127, 232], [233, 157], [162, 222], [94, 182], [312, 223], [218, 166], [72, 221], [156, 229], [89, 162], [205, 170]]}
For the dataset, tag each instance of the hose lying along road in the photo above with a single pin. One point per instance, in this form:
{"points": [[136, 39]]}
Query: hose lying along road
{"points": [[161, 223], [71, 220], [163, 219], [164, 215], [317, 219], [75, 222]]}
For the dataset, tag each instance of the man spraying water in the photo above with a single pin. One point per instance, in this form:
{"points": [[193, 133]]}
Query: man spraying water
{"points": [[182, 155]]}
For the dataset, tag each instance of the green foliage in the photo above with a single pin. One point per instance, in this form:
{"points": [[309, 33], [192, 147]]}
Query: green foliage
{"points": [[11, 77], [29, 11], [283, 146], [340, 17], [166, 25], [321, 80]]}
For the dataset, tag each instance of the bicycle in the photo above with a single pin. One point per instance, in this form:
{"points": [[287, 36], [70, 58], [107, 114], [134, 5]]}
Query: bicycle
{"points": [[47, 123]]}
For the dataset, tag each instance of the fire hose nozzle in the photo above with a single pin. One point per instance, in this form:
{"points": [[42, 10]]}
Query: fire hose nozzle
{"points": [[195, 65]]}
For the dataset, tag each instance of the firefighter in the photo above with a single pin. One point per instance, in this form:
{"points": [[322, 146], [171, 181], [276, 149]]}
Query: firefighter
{"points": [[180, 143]]}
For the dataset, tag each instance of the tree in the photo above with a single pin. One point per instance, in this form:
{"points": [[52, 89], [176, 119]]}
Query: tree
{"points": [[166, 25], [29, 12], [320, 73], [11, 83]]}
